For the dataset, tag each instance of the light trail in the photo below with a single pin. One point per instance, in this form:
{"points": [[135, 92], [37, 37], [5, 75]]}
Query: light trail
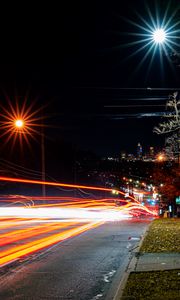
{"points": [[50, 183], [30, 228], [14, 222], [18, 235], [19, 251]]}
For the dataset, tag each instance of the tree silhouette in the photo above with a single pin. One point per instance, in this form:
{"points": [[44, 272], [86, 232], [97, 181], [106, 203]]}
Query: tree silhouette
{"points": [[171, 127]]}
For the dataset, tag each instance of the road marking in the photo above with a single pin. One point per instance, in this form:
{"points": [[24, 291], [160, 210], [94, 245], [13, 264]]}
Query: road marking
{"points": [[109, 275]]}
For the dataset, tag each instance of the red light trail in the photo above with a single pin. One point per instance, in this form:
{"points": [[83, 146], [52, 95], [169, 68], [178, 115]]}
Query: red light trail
{"points": [[57, 184], [50, 183], [31, 224]]}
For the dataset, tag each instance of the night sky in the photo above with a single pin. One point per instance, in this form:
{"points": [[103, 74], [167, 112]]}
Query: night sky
{"points": [[79, 60]]}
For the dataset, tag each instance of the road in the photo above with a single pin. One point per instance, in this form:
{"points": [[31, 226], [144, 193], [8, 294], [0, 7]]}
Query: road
{"points": [[87, 266]]}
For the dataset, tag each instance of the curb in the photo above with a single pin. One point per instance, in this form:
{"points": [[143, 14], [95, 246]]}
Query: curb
{"points": [[130, 267]]}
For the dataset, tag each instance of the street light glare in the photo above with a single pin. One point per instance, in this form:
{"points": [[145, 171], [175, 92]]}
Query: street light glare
{"points": [[154, 36], [19, 123], [159, 36]]}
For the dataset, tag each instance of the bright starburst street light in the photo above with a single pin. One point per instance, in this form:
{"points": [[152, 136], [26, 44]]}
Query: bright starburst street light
{"points": [[19, 123], [159, 35], [154, 34]]}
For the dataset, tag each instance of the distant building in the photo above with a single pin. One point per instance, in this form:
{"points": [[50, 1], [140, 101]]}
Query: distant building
{"points": [[130, 157], [112, 158], [151, 152], [139, 151], [123, 155], [150, 155]]}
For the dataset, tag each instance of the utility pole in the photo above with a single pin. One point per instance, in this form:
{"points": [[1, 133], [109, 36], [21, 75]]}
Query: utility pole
{"points": [[43, 162]]}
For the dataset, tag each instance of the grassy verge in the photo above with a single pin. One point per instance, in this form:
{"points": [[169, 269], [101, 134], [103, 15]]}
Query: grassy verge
{"points": [[153, 285], [163, 236]]}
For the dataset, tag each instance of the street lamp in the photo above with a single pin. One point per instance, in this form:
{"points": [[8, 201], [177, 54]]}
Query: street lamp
{"points": [[20, 126], [161, 157], [159, 36], [19, 123]]}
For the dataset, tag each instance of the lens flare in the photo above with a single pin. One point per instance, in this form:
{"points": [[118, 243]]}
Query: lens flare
{"points": [[19, 121], [159, 35], [155, 33]]}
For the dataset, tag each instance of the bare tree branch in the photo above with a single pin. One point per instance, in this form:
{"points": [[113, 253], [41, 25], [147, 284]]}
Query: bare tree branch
{"points": [[171, 128]]}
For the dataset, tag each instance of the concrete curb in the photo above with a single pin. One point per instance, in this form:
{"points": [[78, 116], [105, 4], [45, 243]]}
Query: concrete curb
{"points": [[130, 268]]}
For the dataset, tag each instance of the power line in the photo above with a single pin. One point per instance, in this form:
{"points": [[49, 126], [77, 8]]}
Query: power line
{"points": [[129, 105], [129, 88]]}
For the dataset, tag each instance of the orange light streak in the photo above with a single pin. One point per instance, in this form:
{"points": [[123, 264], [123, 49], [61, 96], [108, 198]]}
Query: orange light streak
{"points": [[44, 242], [15, 236], [19, 221], [50, 183], [57, 217]]}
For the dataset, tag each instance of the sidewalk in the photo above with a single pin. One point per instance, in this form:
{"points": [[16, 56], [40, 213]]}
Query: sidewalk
{"points": [[154, 270], [155, 262]]}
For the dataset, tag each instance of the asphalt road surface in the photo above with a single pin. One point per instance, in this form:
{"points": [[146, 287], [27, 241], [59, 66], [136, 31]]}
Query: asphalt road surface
{"points": [[85, 267]]}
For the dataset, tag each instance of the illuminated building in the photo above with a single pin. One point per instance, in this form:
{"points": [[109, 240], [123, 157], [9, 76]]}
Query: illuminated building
{"points": [[151, 152], [123, 155], [139, 151]]}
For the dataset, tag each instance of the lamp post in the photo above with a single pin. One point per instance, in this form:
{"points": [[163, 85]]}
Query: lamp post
{"points": [[159, 36], [20, 126], [43, 163], [19, 123]]}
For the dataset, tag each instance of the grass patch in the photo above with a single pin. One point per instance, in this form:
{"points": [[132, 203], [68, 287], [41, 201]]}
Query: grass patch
{"points": [[153, 285], [163, 236]]}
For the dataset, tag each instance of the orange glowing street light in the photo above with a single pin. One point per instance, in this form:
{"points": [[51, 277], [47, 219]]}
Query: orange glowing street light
{"points": [[160, 157], [19, 123]]}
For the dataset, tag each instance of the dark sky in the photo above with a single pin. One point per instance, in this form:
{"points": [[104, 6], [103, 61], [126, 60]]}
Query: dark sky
{"points": [[76, 59]]}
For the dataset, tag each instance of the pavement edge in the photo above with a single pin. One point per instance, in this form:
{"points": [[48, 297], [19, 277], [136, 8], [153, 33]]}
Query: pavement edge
{"points": [[130, 267]]}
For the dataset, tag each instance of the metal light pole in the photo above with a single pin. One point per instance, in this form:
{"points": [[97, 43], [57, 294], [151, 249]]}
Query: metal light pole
{"points": [[43, 170], [19, 124]]}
